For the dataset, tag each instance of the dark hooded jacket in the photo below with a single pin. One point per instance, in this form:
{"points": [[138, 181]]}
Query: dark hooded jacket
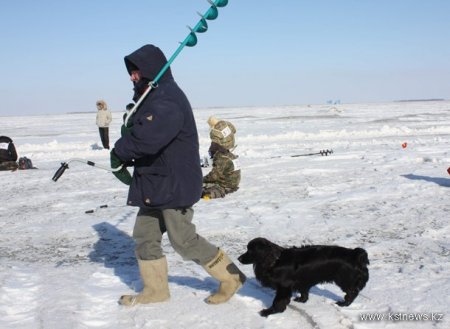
{"points": [[7, 149], [163, 140]]}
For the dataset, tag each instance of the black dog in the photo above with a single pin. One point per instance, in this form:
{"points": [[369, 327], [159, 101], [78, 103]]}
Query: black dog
{"points": [[299, 268]]}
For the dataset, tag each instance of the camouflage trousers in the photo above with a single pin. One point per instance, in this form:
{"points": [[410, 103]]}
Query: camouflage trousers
{"points": [[8, 165], [214, 191]]}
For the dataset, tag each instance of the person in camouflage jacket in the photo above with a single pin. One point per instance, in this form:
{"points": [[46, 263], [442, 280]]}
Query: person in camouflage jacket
{"points": [[225, 175]]}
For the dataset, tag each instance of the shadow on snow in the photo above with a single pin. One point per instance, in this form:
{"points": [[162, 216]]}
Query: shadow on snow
{"points": [[445, 182]]}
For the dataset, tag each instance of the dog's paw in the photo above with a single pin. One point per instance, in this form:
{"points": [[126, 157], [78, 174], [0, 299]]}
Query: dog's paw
{"points": [[301, 299], [265, 313], [343, 303]]}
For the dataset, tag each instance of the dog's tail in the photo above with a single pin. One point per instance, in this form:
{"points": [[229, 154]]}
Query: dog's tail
{"points": [[361, 257]]}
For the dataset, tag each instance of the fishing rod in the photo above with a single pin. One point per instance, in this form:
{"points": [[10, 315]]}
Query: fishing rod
{"points": [[190, 41]]}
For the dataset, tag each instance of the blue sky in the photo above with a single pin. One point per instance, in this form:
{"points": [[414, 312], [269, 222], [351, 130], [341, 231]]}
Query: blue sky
{"points": [[60, 56]]}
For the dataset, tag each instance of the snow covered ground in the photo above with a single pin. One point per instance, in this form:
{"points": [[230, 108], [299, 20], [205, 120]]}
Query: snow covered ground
{"points": [[63, 268]]}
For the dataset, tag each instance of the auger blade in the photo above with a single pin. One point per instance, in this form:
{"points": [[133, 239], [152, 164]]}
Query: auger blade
{"points": [[202, 26], [212, 13], [221, 3], [191, 40]]}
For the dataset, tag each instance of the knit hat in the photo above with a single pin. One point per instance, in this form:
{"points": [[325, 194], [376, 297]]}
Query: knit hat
{"points": [[222, 132], [212, 120]]}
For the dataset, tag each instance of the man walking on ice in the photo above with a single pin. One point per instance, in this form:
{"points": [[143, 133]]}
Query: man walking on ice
{"points": [[162, 141]]}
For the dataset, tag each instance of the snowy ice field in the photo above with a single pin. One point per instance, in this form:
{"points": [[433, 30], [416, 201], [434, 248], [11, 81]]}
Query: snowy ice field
{"points": [[63, 268]]}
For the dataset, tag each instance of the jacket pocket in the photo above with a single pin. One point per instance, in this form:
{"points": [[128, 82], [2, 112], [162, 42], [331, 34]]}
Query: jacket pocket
{"points": [[155, 185]]}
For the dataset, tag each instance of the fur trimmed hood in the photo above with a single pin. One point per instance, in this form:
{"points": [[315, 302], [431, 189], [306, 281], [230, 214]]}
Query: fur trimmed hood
{"points": [[101, 105]]}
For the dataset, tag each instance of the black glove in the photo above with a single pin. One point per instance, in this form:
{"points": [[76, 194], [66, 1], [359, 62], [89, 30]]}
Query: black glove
{"points": [[126, 128], [123, 174]]}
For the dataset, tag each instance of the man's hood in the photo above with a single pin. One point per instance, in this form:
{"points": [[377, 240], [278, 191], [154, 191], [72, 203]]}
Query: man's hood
{"points": [[149, 60]]}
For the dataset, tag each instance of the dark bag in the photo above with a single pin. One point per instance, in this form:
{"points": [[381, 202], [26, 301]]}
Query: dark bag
{"points": [[25, 163]]}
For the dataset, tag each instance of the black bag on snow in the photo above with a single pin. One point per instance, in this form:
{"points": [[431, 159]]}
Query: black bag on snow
{"points": [[25, 163]]}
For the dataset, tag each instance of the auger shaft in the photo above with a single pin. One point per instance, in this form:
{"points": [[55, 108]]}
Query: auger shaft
{"points": [[322, 153], [190, 41]]}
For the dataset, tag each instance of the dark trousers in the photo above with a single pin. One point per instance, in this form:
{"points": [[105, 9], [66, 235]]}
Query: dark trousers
{"points": [[104, 136]]}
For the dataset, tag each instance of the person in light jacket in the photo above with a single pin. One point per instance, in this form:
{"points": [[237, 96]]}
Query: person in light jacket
{"points": [[103, 120]]}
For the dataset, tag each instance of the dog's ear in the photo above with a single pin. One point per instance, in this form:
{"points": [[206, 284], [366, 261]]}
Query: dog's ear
{"points": [[361, 257], [272, 254]]}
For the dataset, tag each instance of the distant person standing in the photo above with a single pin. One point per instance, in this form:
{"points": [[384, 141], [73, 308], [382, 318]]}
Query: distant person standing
{"points": [[104, 118]]}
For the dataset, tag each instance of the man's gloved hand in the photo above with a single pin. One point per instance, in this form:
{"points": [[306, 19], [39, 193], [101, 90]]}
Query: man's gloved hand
{"points": [[125, 130], [123, 174]]}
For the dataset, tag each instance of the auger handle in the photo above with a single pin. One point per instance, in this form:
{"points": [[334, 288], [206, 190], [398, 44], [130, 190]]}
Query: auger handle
{"points": [[60, 171], [65, 165]]}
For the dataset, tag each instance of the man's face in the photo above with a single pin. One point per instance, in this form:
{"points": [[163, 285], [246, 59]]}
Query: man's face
{"points": [[135, 76]]}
